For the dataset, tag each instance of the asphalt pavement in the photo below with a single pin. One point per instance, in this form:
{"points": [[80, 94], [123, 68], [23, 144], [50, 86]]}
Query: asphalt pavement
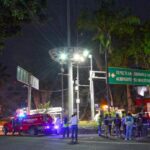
{"points": [[53, 142]]}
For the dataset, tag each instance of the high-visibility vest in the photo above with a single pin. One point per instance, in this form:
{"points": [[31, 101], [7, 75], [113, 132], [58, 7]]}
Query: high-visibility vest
{"points": [[65, 125], [99, 121], [65, 122]]}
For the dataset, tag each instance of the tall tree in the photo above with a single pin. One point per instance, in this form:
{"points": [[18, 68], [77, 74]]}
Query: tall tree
{"points": [[14, 13], [110, 24]]}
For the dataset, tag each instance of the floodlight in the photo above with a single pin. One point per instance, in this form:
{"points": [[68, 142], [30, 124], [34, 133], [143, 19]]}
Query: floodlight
{"points": [[76, 57], [85, 53], [63, 56]]}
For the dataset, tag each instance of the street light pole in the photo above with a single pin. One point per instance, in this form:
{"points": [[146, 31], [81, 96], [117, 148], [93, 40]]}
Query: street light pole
{"points": [[62, 87], [70, 88], [70, 70], [77, 89], [91, 89], [68, 24]]}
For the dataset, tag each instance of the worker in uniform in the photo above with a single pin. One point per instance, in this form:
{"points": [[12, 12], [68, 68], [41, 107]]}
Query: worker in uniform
{"points": [[99, 123], [65, 126]]}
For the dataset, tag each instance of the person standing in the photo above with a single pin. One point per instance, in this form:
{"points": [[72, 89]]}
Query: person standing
{"points": [[129, 126], [99, 123], [74, 129], [106, 125], [123, 124], [65, 126], [117, 123], [110, 120], [58, 125], [139, 124]]}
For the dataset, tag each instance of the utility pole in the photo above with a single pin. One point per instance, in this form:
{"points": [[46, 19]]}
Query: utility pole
{"points": [[70, 68]]}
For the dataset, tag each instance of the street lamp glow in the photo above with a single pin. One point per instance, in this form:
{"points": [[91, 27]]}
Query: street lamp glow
{"points": [[63, 56], [90, 56], [76, 57], [85, 53], [82, 59]]}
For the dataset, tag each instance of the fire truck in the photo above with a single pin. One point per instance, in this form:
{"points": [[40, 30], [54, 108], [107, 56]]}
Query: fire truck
{"points": [[31, 124]]}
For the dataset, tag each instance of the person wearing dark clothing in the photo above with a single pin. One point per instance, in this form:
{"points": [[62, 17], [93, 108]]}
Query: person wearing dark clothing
{"points": [[123, 124], [65, 127], [15, 125], [139, 125], [106, 125], [110, 120], [117, 123]]}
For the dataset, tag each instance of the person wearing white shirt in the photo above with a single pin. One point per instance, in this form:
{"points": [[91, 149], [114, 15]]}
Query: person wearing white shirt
{"points": [[74, 128]]}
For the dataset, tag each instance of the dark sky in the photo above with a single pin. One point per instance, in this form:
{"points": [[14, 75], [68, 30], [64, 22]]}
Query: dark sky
{"points": [[30, 48]]}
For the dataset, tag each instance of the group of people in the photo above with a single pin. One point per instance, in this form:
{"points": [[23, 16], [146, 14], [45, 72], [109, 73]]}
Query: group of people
{"points": [[122, 126], [65, 126]]}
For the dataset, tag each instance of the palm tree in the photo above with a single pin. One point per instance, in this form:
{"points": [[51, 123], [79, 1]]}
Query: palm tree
{"points": [[107, 25]]}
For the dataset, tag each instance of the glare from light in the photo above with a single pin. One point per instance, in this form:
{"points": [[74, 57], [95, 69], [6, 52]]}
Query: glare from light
{"points": [[47, 127], [85, 53], [105, 107], [63, 56], [21, 115], [90, 56], [82, 59], [76, 57], [56, 127]]}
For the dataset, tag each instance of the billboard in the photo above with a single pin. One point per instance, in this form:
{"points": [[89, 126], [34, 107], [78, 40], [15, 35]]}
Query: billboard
{"points": [[26, 78]]}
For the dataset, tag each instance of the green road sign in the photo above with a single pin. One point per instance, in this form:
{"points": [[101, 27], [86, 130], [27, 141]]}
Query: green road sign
{"points": [[128, 76], [141, 77]]}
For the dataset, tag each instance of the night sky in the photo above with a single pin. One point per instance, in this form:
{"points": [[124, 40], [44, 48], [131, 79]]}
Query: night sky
{"points": [[30, 48]]}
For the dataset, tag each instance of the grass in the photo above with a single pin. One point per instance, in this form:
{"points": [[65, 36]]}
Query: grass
{"points": [[87, 124]]}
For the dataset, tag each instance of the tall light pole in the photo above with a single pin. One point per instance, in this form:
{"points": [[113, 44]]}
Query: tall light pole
{"points": [[62, 87], [70, 68], [70, 88], [77, 90], [74, 55], [91, 89]]}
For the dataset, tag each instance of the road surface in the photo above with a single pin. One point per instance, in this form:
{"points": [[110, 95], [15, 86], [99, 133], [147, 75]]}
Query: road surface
{"points": [[86, 142]]}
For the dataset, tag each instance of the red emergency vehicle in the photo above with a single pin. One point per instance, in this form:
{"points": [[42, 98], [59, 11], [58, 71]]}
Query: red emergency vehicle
{"points": [[31, 124], [143, 103]]}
